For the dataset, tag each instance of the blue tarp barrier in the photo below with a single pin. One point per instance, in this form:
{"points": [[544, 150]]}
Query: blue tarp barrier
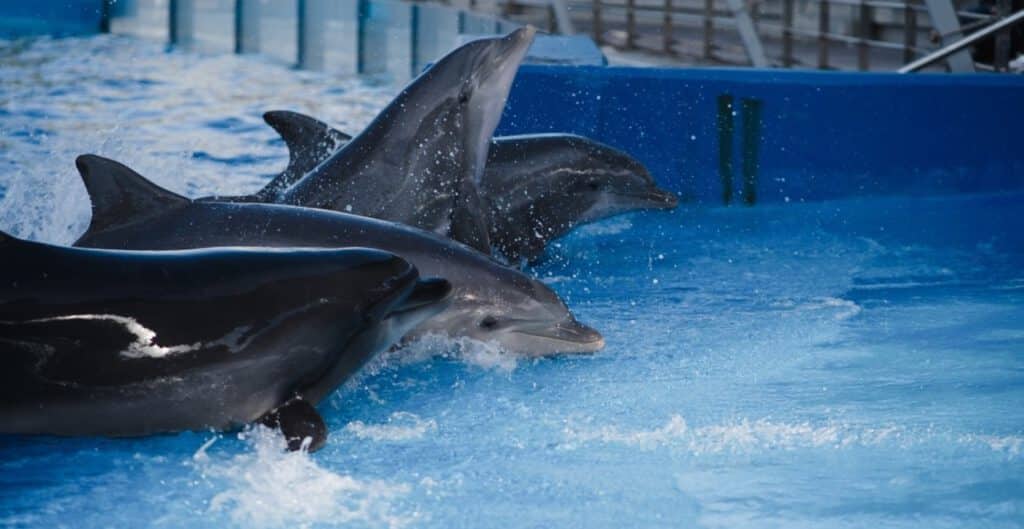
{"points": [[815, 135]]}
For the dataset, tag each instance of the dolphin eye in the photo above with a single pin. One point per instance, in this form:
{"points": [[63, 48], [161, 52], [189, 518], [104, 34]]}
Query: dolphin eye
{"points": [[488, 323], [463, 98], [594, 185]]}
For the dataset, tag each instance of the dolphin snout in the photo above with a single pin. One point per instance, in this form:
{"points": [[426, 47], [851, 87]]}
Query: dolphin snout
{"points": [[522, 35], [515, 44], [664, 199], [567, 337]]}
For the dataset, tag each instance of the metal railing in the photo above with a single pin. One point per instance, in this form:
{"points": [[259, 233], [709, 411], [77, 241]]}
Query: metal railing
{"points": [[963, 43], [378, 37], [824, 34]]}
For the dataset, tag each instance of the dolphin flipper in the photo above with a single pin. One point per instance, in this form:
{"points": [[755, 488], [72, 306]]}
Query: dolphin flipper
{"points": [[298, 420], [309, 142], [120, 196]]}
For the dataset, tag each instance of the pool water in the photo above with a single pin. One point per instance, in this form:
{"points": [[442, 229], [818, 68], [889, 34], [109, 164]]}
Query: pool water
{"points": [[854, 363]]}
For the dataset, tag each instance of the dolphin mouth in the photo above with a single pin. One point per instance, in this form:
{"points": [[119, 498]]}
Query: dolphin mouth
{"points": [[568, 337], [656, 198]]}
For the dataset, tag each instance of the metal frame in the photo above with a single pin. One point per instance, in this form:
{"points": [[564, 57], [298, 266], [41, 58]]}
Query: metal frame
{"points": [[963, 43]]}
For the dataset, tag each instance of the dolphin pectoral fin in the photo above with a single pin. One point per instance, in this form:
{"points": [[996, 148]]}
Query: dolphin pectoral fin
{"points": [[121, 196], [309, 142], [298, 420]]}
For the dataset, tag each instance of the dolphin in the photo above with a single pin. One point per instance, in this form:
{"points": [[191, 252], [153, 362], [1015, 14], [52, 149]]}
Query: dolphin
{"points": [[490, 302], [130, 343], [419, 161], [536, 187]]}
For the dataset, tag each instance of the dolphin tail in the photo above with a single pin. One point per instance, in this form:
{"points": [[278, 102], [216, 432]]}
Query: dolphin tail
{"points": [[309, 142], [121, 196]]}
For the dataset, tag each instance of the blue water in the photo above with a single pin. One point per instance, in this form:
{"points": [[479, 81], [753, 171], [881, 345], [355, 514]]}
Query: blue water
{"points": [[838, 364]]}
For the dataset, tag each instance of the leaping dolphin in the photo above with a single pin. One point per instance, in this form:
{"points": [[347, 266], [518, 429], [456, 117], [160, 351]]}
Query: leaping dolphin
{"points": [[536, 187], [116, 343], [490, 302], [419, 161]]}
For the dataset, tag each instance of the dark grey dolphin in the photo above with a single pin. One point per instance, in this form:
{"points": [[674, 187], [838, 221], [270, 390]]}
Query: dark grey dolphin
{"points": [[116, 343], [490, 302], [536, 187], [419, 161]]}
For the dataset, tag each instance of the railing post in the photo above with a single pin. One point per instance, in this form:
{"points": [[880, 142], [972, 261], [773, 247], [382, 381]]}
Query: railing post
{"points": [[864, 17], [598, 30], [630, 24], [909, 31], [787, 33], [105, 16], [823, 20], [725, 132], [709, 27], [311, 34], [247, 26], [181, 22], [1001, 60], [666, 28]]}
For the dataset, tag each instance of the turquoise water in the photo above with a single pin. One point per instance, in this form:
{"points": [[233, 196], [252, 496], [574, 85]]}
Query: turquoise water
{"points": [[840, 364]]}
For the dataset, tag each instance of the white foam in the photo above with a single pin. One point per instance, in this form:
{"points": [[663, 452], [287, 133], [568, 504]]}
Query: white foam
{"points": [[1011, 445], [845, 309], [613, 226], [486, 355], [400, 426], [747, 436], [267, 487], [741, 436], [842, 309]]}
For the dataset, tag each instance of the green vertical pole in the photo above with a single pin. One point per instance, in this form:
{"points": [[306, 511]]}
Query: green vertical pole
{"points": [[751, 110], [725, 132], [105, 16]]}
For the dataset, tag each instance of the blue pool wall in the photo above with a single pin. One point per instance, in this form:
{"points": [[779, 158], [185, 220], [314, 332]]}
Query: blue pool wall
{"points": [[822, 135], [20, 18]]}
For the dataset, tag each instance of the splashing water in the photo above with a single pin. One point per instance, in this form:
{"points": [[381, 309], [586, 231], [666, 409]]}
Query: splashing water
{"points": [[268, 486], [841, 364], [400, 426]]}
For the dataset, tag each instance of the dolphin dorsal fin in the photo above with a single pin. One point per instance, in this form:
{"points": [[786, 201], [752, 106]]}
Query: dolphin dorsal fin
{"points": [[119, 195], [310, 141]]}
